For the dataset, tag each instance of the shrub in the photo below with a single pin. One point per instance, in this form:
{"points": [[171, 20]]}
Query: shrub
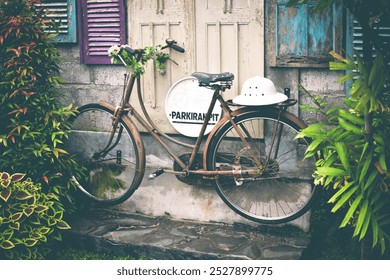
{"points": [[33, 121], [27, 217], [355, 149]]}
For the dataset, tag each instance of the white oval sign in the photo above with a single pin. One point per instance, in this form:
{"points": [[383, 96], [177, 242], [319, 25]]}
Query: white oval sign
{"points": [[186, 106]]}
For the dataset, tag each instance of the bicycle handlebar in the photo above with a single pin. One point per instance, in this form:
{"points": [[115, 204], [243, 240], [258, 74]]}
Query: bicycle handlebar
{"points": [[170, 43]]}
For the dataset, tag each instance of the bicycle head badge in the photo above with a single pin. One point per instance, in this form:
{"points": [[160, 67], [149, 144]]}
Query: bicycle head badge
{"points": [[259, 91]]}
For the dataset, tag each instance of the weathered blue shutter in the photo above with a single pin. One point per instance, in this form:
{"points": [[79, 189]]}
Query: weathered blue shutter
{"points": [[64, 13], [304, 37], [102, 25]]}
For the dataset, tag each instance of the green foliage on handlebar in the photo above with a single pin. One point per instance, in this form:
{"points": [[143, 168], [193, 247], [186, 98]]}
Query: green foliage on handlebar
{"points": [[137, 62]]}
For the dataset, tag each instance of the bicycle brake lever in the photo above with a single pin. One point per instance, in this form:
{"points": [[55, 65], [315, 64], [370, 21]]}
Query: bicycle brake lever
{"points": [[130, 50]]}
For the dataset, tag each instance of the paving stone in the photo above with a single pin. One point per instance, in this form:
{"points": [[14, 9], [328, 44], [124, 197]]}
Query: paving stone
{"points": [[118, 233]]}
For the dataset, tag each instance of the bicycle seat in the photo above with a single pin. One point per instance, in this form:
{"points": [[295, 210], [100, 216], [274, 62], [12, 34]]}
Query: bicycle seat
{"points": [[207, 78]]}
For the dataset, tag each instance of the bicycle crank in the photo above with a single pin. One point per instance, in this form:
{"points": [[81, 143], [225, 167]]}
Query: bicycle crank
{"points": [[191, 177]]}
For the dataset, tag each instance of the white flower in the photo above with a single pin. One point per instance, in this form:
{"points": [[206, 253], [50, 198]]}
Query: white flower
{"points": [[114, 50]]}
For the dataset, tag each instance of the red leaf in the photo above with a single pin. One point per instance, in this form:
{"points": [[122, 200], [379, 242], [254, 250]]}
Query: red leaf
{"points": [[4, 195], [31, 201], [28, 94], [16, 216], [29, 242], [63, 225], [40, 208], [14, 51], [5, 183], [28, 211], [15, 226], [6, 244], [17, 177], [46, 179], [14, 93], [22, 195], [4, 176]]}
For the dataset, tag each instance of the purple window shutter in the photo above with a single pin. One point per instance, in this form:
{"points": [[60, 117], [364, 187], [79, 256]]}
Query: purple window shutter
{"points": [[102, 25]]}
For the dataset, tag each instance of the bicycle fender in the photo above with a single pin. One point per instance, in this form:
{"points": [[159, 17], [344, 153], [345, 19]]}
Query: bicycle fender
{"points": [[134, 131], [242, 111]]}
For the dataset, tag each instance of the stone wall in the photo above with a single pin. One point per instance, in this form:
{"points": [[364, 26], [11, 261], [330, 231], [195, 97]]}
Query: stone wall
{"points": [[166, 195], [89, 83]]}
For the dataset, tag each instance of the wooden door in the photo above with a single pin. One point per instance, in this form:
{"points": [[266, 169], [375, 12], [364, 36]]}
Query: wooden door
{"points": [[150, 23], [218, 35], [230, 37]]}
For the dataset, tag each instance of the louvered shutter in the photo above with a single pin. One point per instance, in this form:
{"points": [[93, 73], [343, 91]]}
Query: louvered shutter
{"points": [[355, 39], [102, 25], [357, 36], [64, 13]]}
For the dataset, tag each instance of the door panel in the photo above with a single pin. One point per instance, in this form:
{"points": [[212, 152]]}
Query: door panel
{"points": [[230, 37], [218, 35], [151, 22]]}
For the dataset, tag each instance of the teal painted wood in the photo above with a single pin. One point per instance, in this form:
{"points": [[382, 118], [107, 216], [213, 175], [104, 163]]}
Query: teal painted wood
{"points": [[304, 37], [71, 36], [64, 13], [291, 31]]}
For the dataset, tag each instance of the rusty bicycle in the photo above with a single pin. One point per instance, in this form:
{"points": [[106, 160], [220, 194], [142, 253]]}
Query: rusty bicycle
{"points": [[251, 153]]}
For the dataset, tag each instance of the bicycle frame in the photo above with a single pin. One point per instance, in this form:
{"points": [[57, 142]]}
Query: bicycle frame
{"points": [[125, 109], [251, 154]]}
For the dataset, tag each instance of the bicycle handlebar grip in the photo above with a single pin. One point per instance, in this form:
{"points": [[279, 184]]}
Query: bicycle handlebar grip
{"points": [[130, 50], [178, 48]]}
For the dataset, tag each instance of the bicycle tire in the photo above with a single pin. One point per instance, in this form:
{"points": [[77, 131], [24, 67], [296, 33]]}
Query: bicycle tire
{"points": [[112, 178], [284, 189]]}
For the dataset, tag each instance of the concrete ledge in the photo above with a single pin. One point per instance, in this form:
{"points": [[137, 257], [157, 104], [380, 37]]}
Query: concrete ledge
{"points": [[167, 195]]}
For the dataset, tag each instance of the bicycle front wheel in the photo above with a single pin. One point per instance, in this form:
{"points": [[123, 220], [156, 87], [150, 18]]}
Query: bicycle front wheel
{"points": [[282, 188], [111, 160]]}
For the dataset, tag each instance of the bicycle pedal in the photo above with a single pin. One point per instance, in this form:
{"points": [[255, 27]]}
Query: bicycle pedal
{"points": [[156, 173]]}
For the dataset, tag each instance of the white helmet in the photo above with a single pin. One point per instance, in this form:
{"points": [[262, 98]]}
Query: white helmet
{"points": [[258, 91]]}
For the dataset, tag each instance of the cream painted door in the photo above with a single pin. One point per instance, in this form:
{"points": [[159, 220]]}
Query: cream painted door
{"points": [[218, 35], [230, 37], [150, 23]]}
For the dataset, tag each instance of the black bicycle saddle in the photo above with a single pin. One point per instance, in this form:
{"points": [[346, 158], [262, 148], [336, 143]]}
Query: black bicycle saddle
{"points": [[207, 78]]}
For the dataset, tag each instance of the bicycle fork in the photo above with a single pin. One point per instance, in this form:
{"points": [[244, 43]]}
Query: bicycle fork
{"points": [[117, 115], [112, 143]]}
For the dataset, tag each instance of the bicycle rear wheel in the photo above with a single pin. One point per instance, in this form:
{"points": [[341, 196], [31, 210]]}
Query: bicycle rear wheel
{"points": [[109, 175], [283, 187]]}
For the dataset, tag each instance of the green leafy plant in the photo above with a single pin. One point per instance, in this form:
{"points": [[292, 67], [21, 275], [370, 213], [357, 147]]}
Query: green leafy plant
{"points": [[119, 54], [354, 144], [28, 218], [33, 120], [33, 129]]}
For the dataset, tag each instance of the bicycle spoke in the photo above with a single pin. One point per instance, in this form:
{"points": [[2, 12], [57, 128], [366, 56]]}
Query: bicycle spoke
{"points": [[282, 190], [110, 157]]}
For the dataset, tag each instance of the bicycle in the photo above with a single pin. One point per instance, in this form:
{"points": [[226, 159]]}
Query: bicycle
{"points": [[251, 153]]}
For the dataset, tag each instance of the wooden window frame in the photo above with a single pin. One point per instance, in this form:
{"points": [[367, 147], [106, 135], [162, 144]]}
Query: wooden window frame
{"points": [[288, 54]]}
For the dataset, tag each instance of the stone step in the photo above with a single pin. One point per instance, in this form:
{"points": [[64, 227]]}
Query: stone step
{"points": [[163, 238]]}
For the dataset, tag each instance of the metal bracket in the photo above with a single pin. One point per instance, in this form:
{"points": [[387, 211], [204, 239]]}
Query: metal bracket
{"points": [[237, 175]]}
